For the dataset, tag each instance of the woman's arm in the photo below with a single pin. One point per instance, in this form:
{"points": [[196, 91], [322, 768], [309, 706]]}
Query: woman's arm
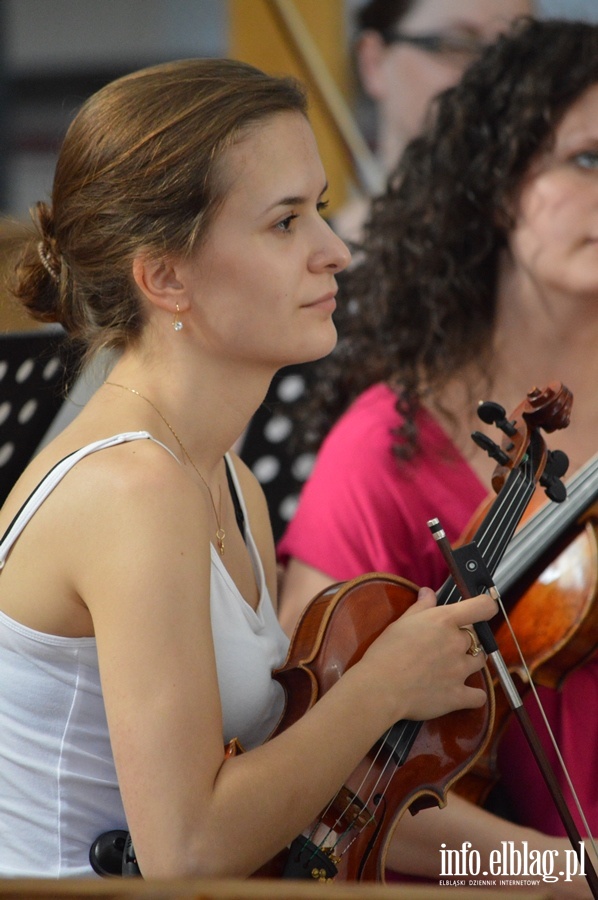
{"points": [[145, 576], [300, 584]]}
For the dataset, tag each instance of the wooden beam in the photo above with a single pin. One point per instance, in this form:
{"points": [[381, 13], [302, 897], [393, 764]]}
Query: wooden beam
{"points": [[307, 39]]}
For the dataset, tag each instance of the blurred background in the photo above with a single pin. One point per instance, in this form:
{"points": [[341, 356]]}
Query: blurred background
{"points": [[54, 53]]}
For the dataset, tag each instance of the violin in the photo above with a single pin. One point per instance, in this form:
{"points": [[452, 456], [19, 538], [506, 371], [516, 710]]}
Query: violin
{"points": [[415, 763], [471, 575], [549, 565]]}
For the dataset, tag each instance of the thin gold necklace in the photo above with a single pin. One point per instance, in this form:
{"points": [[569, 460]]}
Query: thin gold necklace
{"points": [[220, 533]]}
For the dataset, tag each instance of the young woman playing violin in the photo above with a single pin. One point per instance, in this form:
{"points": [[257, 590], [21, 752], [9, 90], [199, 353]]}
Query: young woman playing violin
{"points": [[478, 279], [137, 623]]}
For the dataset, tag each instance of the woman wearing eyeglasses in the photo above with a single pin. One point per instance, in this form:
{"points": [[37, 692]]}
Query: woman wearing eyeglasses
{"points": [[406, 53]]}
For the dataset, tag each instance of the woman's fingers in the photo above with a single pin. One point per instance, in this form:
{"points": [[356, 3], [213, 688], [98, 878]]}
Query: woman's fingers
{"points": [[474, 609]]}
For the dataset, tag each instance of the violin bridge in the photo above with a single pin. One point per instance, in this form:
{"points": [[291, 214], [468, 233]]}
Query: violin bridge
{"points": [[349, 811]]}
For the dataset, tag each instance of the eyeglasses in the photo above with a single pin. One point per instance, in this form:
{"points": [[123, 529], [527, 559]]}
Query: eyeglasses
{"points": [[460, 47]]}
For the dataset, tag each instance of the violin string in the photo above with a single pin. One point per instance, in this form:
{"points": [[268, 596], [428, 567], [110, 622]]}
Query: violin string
{"points": [[496, 551], [515, 512], [507, 510], [509, 513], [545, 525], [549, 730], [405, 727], [535, 527], [374, 790], [352, 798]]}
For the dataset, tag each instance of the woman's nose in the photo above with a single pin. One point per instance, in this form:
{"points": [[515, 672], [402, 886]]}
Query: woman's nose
{"points": [[333, 253]]}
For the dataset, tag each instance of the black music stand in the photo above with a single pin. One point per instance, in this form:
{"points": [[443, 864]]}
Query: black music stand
{"points": [[34, 371], [267, 447]]}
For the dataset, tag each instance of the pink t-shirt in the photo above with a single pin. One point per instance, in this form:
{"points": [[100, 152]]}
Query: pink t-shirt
{"points": [[362, 510]]}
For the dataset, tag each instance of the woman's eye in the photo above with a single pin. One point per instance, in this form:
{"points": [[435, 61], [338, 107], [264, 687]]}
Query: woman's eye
{"points": [[587, 160], [285, 224]]}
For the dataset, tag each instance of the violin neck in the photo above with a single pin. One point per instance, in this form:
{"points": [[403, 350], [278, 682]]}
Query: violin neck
{"points": [[492, 538], [547, 526], [496, 529]]}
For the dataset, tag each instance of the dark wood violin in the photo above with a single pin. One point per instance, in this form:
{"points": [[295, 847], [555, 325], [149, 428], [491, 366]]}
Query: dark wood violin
{"points": [[415, 763], [551, 564], [471, 567]]}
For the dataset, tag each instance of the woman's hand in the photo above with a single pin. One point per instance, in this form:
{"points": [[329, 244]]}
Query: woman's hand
{"points": [[425, 654]]}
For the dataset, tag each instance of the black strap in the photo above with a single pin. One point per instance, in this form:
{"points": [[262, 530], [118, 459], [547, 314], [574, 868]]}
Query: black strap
{"points": [[236, 502]]}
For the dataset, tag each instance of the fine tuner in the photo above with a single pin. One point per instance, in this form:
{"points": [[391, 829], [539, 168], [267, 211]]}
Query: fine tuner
{"points": [[557, 462]]}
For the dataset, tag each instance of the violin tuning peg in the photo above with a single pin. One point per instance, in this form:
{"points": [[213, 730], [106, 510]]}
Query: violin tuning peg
{"points": [[494, 414], [558, 463], [492, 449], [554, 488], [489, 412]]}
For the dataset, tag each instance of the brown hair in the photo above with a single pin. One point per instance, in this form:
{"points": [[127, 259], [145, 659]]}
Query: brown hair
{"points": [[139, 168]]}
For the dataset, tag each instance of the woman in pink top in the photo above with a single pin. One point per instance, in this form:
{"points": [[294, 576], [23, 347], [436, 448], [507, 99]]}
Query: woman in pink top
{"points": [[478, 279]]}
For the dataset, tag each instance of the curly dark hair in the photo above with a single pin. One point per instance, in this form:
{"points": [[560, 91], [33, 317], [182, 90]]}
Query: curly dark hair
{"points": [[418, 304]]}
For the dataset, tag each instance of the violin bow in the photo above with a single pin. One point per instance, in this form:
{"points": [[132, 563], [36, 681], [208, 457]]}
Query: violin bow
{"points": [[471, 576]]}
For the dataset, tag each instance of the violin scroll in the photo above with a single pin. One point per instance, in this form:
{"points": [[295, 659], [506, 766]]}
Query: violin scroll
{"points": [[548, 408]]}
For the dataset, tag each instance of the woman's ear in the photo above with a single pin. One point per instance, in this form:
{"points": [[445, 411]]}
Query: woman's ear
{"points": [[160, 282]]}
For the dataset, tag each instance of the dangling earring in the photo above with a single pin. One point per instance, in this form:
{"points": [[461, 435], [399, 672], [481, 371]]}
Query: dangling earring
{"points": [[176, 322]]}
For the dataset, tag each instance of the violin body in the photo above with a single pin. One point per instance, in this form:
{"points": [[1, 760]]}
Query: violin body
{"points": [[553, 611], [333, 633], [415, 763]]}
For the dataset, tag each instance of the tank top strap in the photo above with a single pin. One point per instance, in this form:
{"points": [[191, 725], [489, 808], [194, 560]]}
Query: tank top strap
{"points": [[53, 477]]}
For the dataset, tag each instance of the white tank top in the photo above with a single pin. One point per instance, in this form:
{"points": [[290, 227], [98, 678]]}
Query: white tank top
{"points": [[58, 785]]}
